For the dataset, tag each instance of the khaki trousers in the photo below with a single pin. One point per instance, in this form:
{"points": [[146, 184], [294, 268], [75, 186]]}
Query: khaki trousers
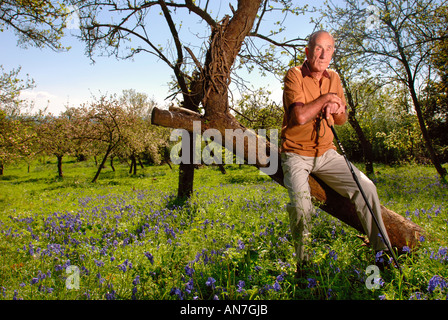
{"points": [[331, 168]]}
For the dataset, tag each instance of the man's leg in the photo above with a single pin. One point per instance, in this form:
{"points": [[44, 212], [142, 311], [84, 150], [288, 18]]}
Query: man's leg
{"points": [[333, 170], [296, 172]]}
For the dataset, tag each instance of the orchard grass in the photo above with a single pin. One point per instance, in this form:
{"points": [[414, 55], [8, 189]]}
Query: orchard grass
{"points": [[131, 239]]}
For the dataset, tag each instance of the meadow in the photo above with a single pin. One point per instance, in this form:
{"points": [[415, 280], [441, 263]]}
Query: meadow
{"points": [[126, 237]]}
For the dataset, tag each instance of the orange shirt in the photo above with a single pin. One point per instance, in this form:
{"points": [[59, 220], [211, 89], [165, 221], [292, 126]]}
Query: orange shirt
{"points": [[314, 138]]}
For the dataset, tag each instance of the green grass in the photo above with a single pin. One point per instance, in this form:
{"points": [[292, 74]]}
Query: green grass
{"points": [[130, 239]]}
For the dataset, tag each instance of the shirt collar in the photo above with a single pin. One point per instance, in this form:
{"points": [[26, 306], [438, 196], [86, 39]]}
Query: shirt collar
{"points": [[306, 72]]}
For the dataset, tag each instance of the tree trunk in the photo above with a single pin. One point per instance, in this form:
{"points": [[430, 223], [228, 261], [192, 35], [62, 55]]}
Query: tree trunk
{"points": [[365, 143], [112, 163], [432, 153], [401, 231], [186, 170], [133, 167], [60, 175], [103, 162]]}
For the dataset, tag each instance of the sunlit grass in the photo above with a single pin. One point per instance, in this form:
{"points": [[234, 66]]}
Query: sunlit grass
{"points": [[130, 239]]}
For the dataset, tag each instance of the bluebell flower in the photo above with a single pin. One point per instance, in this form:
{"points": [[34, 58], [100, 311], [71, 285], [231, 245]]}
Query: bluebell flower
{"points": [[189, 271], [333, 255], [240, 286], [177, 292], [150, 257], [312, 283], [416, 296], [436, 281], [136, 281], [189, 287], [99, 263], [110, 295], [210, 282], [406, 249], [379, 257], [122, 267], [277, 286], [34, 280], [280, 277]]}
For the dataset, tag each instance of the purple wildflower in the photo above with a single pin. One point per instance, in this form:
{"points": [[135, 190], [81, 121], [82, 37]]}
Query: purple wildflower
{"points": [[312, 283], [333, 255], [240, 286], [177, 292], [210, 282], [189, 287], [280, 277], [436, 281], [189, 271], [99, 263], [150, 257], [379, 257], [277, 286]]}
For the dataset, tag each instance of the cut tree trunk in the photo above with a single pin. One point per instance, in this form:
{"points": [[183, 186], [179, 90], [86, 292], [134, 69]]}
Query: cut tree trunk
{"points": [[401, 231]]}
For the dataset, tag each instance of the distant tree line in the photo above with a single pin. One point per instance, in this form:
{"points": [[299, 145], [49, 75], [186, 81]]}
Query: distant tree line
{"points": [[108, 128]]}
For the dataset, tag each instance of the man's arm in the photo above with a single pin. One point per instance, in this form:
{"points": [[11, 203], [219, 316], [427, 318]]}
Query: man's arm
{"points": [[329, 104]]}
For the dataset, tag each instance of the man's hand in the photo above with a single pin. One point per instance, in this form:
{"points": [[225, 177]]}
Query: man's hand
{"points": [[326, 105], [333, 106], [332, 110]]}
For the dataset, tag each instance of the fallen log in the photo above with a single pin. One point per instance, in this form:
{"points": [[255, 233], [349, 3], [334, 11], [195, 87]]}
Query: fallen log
{"points": [[402, 232]]}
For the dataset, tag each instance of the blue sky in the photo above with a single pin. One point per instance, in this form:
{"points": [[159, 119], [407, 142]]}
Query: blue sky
{"points": [[70, 78]]}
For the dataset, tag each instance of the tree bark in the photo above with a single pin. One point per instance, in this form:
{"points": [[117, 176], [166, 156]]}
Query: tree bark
{"points": [[103, 162], [60, 174], [365, 143], [401, 231]]}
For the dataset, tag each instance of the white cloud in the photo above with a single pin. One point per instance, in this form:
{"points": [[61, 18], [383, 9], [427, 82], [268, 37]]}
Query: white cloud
{"points": [[42, 100]]}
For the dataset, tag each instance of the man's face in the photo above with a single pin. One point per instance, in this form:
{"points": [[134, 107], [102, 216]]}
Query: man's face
{"points": [[319, 55]]}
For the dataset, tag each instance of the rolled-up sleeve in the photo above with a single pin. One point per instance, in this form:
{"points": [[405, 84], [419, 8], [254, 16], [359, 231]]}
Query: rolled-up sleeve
{"points": [[293, 91]]}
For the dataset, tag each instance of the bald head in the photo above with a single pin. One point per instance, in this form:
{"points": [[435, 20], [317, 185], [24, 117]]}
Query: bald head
{"points": [[314, 36], [319, 52]]}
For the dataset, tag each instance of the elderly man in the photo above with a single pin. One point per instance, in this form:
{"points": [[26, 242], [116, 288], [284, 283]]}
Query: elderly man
{"points": [[313, 97]]}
